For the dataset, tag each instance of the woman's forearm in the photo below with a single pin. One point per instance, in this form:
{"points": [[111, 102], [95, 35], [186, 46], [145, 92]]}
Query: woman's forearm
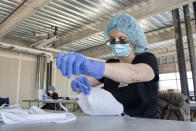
{"points": [[120, 72], [128, 73]]}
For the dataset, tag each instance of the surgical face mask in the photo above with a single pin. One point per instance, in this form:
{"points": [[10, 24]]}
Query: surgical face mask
{"points": [[100, 102], [50, 92], [121, 50]]}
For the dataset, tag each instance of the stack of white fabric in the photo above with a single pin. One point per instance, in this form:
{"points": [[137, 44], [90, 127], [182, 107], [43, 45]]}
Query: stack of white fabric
{"points": [[15, 114]]}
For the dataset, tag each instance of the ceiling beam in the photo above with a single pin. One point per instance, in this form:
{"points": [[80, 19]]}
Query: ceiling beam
{"points": [[153, 37], [141, 11], [14, 42], [27, 9]]}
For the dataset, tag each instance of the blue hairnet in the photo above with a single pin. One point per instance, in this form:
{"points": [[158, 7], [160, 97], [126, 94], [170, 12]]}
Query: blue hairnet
{"points": [[129, 26], [52, 88]]}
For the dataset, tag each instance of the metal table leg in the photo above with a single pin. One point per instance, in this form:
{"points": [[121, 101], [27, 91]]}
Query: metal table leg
{"points": [[29, 104]]}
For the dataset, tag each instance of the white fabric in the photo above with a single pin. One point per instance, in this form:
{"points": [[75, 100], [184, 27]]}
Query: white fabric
{"points": [[100, 102], [9, 106], [33, 115], [64, 108]]}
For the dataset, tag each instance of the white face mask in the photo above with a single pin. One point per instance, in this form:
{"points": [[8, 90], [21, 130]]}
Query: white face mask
{"points": [[100, 102], [50, 92], [121, 50]]}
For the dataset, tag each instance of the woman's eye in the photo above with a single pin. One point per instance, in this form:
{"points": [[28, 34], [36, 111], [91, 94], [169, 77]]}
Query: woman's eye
{"points": [[123, 40]]}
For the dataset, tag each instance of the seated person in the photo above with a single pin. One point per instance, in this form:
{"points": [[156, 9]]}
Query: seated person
{"points": [[51, 95]]}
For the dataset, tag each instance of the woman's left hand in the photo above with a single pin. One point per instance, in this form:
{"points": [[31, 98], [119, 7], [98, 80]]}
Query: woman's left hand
{"points": [[76, 64]]}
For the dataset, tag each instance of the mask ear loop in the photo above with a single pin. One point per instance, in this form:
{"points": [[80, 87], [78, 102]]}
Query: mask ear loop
{"points": [[126, 116], [133, 46]]}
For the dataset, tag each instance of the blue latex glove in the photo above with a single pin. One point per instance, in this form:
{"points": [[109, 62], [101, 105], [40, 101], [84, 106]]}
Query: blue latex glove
{"points": [[45, 96], [75, 63], [81, 83]]}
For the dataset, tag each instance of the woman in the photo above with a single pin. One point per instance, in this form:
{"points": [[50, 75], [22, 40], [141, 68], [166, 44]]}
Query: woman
{"points": [[132, 78], [51, 95]]}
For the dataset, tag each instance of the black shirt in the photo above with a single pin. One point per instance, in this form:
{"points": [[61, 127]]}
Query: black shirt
{"points": [[52, 106], [54, 96], [139, 99]]}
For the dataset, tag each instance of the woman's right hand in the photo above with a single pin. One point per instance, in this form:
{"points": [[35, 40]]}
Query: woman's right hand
{"points": [[81, 84]]}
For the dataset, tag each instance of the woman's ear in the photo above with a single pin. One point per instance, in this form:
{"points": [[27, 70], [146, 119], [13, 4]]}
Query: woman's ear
{"points": [[131, 44]]}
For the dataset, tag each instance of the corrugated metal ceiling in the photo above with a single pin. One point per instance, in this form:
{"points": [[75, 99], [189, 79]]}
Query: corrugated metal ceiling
{"points": [[67, 16], [71, 15], [150, 24], [7, 7]]}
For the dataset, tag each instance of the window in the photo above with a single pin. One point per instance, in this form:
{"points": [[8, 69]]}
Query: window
{"points": [[172, 81]]}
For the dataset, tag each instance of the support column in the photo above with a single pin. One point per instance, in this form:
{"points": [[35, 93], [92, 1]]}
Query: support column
{"points": [[180, 52], [174, 58], [50, 82], [190, 44], [194, 9], [49, 75]]}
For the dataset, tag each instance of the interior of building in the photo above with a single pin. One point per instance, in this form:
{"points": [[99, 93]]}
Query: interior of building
{"points": [[34, 32]]}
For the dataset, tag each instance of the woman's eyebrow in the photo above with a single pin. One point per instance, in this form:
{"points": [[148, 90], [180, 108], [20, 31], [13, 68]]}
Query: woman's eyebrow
{"points": [[112, 37]]}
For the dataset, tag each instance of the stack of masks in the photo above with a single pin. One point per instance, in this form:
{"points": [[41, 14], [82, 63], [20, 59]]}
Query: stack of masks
{"points": [[16, 115]]}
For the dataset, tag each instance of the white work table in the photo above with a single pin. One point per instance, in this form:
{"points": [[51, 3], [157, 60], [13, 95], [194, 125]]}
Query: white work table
{"points": [[70, 104], [50, 101], [105, 123]]}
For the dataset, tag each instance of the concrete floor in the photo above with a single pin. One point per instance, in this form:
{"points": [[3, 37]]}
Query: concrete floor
{"points": [[194, 119]]}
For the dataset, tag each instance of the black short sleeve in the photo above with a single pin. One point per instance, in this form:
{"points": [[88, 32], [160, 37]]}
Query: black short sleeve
{"points": [[140, 98], [149, 59], [55, 96]]}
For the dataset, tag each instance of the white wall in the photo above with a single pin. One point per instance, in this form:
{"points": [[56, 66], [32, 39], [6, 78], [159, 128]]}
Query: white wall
{"points": [[17, 76], [61, 83]]}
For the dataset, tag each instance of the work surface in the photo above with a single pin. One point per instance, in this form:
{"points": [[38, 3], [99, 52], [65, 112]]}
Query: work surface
{"points": [[105, 123]]}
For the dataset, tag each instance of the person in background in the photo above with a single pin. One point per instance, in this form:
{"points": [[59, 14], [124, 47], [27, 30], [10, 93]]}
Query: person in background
{"points": [[132, 78], [52, 94]]}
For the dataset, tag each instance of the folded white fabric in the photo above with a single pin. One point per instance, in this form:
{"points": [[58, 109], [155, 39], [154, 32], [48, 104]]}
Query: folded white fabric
{"points": [[100, 102], [33, 115], [10, 118]]}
